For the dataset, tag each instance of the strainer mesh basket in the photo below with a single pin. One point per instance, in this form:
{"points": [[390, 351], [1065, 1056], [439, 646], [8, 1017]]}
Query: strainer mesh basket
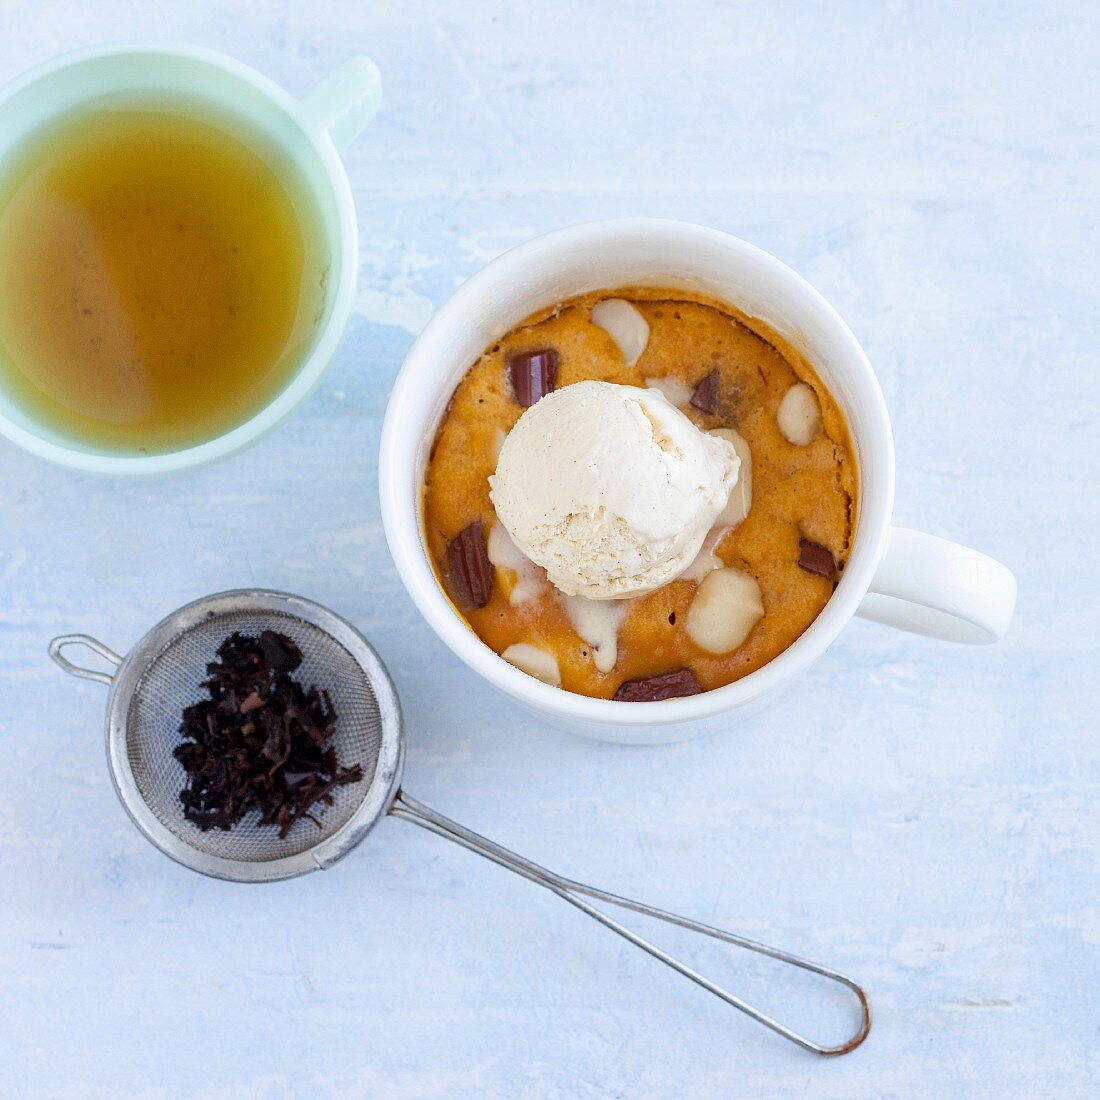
{"points": [[172, 681]]}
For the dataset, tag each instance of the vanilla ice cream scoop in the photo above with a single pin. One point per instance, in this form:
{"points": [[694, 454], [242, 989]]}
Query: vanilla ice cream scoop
{"points": [[611, 489]]}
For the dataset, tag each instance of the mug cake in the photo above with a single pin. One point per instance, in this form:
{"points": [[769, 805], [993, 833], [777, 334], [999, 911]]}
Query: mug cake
{"points": [[640, 494]]}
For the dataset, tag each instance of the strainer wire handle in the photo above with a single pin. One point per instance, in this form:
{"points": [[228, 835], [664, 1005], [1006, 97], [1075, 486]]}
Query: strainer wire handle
{"points": [[96, 646], [570, 891]]}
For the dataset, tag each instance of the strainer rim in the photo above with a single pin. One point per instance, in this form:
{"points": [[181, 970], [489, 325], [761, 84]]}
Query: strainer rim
{"points": [[383, 784]]}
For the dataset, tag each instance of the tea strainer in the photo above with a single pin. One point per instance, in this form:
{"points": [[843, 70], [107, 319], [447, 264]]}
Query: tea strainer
{"points": [[163, 673]]}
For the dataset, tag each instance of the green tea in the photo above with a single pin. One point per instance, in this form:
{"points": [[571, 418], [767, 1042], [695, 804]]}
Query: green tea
{"points": [[160, 278]]}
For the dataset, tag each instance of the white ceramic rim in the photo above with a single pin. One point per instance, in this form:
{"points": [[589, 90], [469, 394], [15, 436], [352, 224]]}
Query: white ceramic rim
{"points": [[343, 291], [400, 489]]}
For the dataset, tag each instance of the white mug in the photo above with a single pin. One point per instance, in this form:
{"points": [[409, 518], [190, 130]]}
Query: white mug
{"points": [[312, 131], [907, 579]]}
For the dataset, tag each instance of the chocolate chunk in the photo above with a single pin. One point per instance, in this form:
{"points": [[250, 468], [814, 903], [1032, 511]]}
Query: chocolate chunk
{"points": [[705, 397], [815, 558], [534, 375], [669, 685], [471, 571]]}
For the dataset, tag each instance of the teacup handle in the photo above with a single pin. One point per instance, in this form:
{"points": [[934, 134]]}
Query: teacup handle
{"points": [[928, 585], [344, 101]]}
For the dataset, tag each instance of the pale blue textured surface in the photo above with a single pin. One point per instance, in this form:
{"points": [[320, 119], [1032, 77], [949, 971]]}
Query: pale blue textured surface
{"points": [[919, 815]]}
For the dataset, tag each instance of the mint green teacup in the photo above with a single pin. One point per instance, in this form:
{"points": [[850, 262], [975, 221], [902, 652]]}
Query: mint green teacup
{"points": [[311, 131]]}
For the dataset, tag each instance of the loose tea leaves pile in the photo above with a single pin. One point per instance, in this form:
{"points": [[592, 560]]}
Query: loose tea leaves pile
{"points": [[261, 741]]}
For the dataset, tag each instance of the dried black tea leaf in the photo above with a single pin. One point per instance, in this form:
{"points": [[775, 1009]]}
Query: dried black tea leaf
{"points": [[261, 741]]}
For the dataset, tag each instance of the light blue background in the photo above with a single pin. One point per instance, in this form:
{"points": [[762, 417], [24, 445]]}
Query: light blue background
{"points": [[920, 815]]}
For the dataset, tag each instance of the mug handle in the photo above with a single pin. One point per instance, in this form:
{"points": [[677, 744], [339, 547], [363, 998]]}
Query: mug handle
{"points": [[930, 586], [344, 101]]}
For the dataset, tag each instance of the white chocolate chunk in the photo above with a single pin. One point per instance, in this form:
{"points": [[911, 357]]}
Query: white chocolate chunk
{"points": [[740, 501], [520, 577], [799, 415], [726, 607], [624, 324], [535, 662], [734, 513], [499, 436], [707, 559], [678, 393], [597, 622]]}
